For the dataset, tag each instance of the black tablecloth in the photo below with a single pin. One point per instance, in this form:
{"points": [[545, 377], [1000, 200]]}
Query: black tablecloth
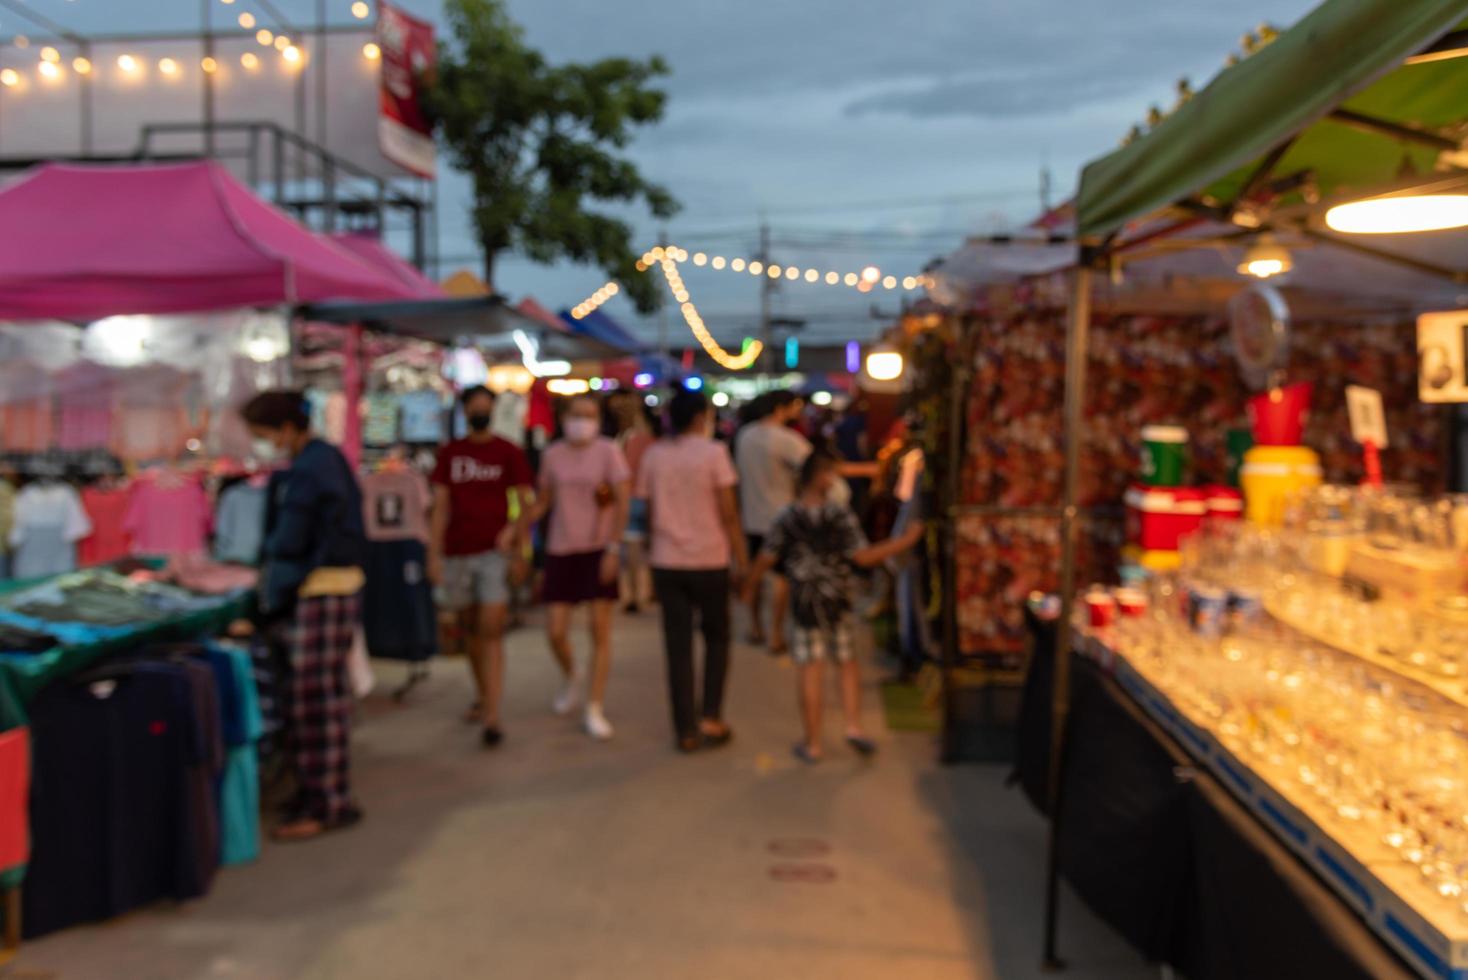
{"points": [[1166, 856]]}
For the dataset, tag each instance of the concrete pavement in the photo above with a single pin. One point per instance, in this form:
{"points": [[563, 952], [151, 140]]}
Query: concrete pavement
{"points": [[557, 857]]}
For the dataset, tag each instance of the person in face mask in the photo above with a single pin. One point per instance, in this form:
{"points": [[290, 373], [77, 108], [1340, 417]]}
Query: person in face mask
{"points": [[473, 544], [585, 487], [310, 600]]}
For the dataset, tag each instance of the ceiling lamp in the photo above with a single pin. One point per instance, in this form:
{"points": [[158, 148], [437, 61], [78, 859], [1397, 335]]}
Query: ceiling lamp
{"points": [[1397, 215], [371, 51], [82, 66], [128, 63], [884, 365], [1265, 259]]}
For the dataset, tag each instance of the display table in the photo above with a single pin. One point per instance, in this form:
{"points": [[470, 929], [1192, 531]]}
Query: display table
{"points": [[1165, 844]]}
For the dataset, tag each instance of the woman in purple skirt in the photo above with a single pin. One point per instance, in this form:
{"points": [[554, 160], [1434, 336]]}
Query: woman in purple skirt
{"points": [[585, 486]]}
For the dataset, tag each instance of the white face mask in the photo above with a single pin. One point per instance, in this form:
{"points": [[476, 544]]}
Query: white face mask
{"points": [[581, 430], [264, 450]]}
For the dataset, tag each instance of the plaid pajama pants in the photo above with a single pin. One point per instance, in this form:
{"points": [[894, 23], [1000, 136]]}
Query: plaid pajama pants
{"points": [[321, 702]]}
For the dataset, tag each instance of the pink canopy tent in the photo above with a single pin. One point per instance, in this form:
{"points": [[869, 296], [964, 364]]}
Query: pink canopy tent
{"points": [[369, 249], [85, 242]]}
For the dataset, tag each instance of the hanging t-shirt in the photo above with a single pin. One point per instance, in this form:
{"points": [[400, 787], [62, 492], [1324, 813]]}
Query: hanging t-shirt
{"points": [[49, 521], [510, 411], [422, 416], [239, 524], [152, 418], [380, 428], [26, 422], [85, 394], [107, 510], [7, 513], [581, 478], [168, 514], [479, 477], [395, 506]]}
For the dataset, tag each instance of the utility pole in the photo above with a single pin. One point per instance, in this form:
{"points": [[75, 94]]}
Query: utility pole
{"points": [[663, 308], [766, 296]]}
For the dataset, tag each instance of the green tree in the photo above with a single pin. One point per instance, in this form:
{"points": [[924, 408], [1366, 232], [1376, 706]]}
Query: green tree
{"points": [[541, 144]]}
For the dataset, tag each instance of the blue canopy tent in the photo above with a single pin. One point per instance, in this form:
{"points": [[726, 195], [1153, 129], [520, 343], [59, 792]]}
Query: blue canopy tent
{"points": [[598, 326]]}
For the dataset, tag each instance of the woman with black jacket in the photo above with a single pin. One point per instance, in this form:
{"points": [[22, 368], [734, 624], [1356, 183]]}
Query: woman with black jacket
{"points": [[310, 590]]}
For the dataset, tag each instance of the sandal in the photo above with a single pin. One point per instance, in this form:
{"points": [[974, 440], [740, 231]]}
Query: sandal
{"points": [[309, 828], [804, 754], [689, 744], [718, 737], [862, 745]]}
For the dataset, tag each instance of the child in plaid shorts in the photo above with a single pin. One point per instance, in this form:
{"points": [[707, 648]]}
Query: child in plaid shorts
{"points": [[818, 543]]}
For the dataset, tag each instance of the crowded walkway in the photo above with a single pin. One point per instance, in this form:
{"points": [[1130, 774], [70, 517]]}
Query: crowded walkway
{"points": [[560, 856]]}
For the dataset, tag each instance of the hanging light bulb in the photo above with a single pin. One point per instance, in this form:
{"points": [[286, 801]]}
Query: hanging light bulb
{"points": [[792, 273], [371, 51], [127, 63], [291, 54], [168, 66], [1265, 259], [49, 70], [250, 61], [21, 41], [209, 65], [832, 278], [890, 282], [282, 42], [265, 36], [756, 267], [871, 274], [49, 53], [737, 265], [9, 77], [247, 20], [851, 279], [360, 10], [82, 66], [717, 262], [773, 271], [700, 259]]}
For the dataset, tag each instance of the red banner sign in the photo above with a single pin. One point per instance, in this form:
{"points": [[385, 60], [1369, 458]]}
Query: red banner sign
{"points": [[409, 53]]}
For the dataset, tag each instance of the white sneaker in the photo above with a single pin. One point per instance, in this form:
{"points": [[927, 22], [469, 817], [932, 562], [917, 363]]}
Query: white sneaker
{"points": [[569, 699], [597, 725]]}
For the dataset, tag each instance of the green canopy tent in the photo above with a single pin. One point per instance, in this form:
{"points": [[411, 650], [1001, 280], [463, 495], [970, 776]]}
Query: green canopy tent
{"points": [[1361, 98]]}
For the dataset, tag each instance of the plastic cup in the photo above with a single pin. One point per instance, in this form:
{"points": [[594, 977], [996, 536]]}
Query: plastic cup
{"points": [[1102, 608], [1164, 455], [1278, 416], [1131, 602]]}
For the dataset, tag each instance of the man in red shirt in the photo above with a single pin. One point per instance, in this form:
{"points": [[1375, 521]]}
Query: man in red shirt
{"points": [[473, 542]]}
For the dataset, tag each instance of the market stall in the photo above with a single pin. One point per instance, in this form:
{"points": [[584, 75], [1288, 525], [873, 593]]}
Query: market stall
{"points": [[1345, 124], [141, 304]]}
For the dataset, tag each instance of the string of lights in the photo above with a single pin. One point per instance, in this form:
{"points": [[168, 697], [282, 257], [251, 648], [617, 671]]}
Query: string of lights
{"points": [[721, 357], [52, 69], [868, 279]]}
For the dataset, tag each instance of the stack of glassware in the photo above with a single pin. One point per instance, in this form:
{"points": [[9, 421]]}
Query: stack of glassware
{"points": [[1349, 698]]}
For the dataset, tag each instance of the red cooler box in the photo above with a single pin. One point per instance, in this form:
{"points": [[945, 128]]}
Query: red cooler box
{"points": [[1157, 518], [1224, 504]]}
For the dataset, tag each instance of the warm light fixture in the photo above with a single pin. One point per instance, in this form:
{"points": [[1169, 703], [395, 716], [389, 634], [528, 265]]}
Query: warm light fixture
{"points": [[292, 54], [890, 282], [720, 400], [851, 279], [9, 77], [168, 66], [249, 60], [127, 63], [49, 53], [48, 70], [737, 265], [568, 386], [209, 65], [909, 282], [832, 278], [21, 41], [700, 259], [756, 267], [884, 365], [717, 262], [871, 274], [1397, 215], [360, 10], [812, 275], [371, 51], [265, 36], [82, 66], [821, 399], [1265, 259], [282, 42], [247, 20]]}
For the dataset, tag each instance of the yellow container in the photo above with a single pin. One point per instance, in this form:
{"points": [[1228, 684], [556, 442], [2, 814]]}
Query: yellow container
{"points": [[1271, 475]]}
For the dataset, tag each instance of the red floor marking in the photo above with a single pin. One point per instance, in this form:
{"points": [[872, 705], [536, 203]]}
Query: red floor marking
{"points": [[799, 847], [809, 874]]}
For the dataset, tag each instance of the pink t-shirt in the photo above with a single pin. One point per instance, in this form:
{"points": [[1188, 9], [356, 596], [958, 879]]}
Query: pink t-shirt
{"points": [[681, 479], [168, 514], [572, 473]]}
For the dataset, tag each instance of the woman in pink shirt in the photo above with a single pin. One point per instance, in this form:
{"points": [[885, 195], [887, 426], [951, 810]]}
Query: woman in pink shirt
{"points": [[585, 486], [688, 481]]}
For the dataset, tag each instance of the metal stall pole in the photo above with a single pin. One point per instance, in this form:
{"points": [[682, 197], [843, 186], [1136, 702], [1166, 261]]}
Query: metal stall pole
{"points": [[208, 80], [957, 402], [1077, 345]]}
